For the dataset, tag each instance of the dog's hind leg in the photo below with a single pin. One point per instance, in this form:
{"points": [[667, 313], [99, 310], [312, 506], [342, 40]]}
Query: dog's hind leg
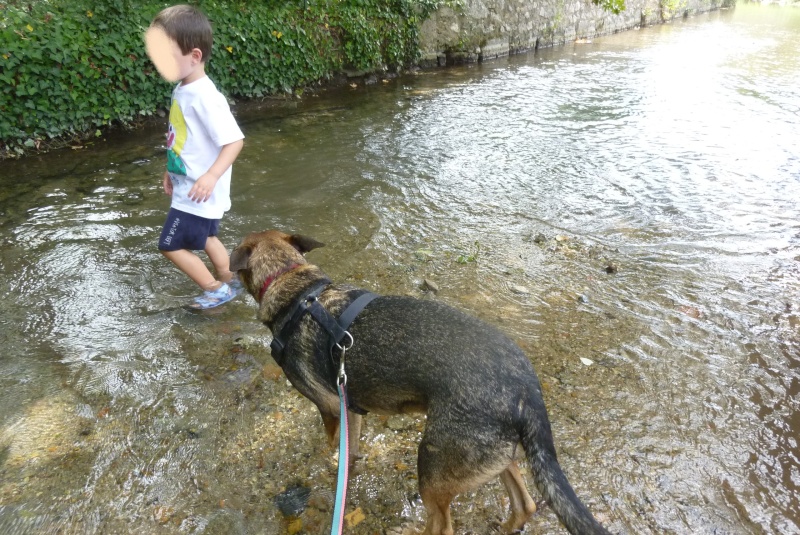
{"points": [[437, 504], [451, 463], [522, 505], [439, 483]]}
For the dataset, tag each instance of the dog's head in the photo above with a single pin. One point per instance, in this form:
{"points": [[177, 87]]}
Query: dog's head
{"points": [[265, 255]]}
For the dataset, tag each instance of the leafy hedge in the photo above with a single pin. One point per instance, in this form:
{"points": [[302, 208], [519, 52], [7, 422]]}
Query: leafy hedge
{"points": [[71, 67]]}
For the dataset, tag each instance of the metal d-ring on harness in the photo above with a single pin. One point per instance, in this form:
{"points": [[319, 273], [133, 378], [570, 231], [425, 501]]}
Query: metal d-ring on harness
{"points": [[341, 378], [342, 340]]}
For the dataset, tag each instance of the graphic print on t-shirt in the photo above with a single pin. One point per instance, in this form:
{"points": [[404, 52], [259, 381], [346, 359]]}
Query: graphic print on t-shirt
{"points": [[176, 137]]}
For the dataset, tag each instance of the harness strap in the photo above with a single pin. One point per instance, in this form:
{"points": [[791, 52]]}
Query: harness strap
{"points": [[291, 320], [354, 309], [337, 329], [327, 322]]}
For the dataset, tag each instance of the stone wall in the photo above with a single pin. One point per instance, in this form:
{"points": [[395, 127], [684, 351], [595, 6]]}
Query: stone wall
{"points": [[487, 29]]}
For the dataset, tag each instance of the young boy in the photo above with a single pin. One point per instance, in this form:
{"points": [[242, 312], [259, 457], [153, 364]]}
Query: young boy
{"points": [[203, 142]]}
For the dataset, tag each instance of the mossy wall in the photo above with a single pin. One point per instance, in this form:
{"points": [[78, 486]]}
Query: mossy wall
{"points": [[485, 29]]}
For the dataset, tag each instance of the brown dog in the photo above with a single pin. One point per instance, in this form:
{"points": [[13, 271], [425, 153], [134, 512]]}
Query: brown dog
{"points": [[479, 390]]}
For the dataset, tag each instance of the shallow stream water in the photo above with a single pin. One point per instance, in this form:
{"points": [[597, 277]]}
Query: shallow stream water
{"points": [[628, 210]]}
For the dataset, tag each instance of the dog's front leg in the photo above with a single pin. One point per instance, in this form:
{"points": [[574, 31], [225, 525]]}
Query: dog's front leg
{"points": [[331, 423], [354, 434]]}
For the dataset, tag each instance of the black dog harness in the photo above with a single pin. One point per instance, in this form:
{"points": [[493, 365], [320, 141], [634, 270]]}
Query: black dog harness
{"points": [[336, 329]]}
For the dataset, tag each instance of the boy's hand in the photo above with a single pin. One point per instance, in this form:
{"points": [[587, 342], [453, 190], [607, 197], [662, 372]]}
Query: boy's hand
{"points": [[167, 184], [202, 189]]}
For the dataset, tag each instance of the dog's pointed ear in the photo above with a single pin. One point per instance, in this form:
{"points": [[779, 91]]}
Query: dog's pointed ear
{"points": [[240, 258], [304, 244]]}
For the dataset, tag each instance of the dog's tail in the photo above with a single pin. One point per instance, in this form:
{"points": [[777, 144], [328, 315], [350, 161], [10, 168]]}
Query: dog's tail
{"points": [[537, 439]]}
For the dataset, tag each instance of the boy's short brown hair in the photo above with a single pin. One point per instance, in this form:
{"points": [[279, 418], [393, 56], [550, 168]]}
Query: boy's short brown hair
{"points": [[188, 27]]}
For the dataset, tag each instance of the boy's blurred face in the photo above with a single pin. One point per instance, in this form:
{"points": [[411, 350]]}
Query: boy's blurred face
{"points": [[166, 55]]}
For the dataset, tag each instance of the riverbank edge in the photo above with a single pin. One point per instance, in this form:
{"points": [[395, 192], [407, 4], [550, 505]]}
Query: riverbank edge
{"points": [[449, 38]]}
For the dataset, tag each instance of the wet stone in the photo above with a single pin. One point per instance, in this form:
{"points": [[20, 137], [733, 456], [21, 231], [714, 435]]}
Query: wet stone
{"points": [[163, 514], [398, 422], [249, 343], [521, 290], [293, 501], [430, 286], [226, 522], [242, 376]]}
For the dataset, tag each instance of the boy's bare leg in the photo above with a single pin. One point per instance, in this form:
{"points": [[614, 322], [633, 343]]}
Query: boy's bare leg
{"points": [[194, 267], [218, 255]]}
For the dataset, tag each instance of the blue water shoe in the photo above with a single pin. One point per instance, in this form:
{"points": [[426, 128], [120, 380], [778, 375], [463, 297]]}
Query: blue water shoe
{"points": [[214, 298], [236, 284]]}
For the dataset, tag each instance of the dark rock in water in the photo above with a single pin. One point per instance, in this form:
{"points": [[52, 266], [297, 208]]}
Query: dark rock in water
{"points": [[292, 501], [611, 268]]}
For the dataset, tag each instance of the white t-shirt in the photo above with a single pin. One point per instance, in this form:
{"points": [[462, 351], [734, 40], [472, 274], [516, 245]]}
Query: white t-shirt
{"points": [[200, 124]]}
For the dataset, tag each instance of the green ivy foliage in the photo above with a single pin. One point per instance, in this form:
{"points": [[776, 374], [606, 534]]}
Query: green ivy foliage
{"points": [[613, 6], [66, 69], [72, 67]]}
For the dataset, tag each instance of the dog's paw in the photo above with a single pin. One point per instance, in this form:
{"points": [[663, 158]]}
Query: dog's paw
{"points": [[506, 528], [357, 464], [405, 529]]}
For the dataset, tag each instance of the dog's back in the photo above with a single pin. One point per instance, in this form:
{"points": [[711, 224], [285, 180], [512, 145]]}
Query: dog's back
{"points": [[432, 354]]}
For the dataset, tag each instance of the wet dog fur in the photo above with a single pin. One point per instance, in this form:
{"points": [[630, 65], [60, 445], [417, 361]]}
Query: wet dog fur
{"points": [[480, 392]]}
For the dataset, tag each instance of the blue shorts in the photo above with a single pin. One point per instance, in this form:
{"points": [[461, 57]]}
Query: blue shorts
{"points": [[186, 231]]}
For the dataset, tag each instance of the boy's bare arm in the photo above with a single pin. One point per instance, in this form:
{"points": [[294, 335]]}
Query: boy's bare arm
{"points": [[167, 183], [201, 191]]}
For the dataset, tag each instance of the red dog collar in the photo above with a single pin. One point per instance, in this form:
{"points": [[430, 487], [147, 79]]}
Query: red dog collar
{"points": [[272, 278]]}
